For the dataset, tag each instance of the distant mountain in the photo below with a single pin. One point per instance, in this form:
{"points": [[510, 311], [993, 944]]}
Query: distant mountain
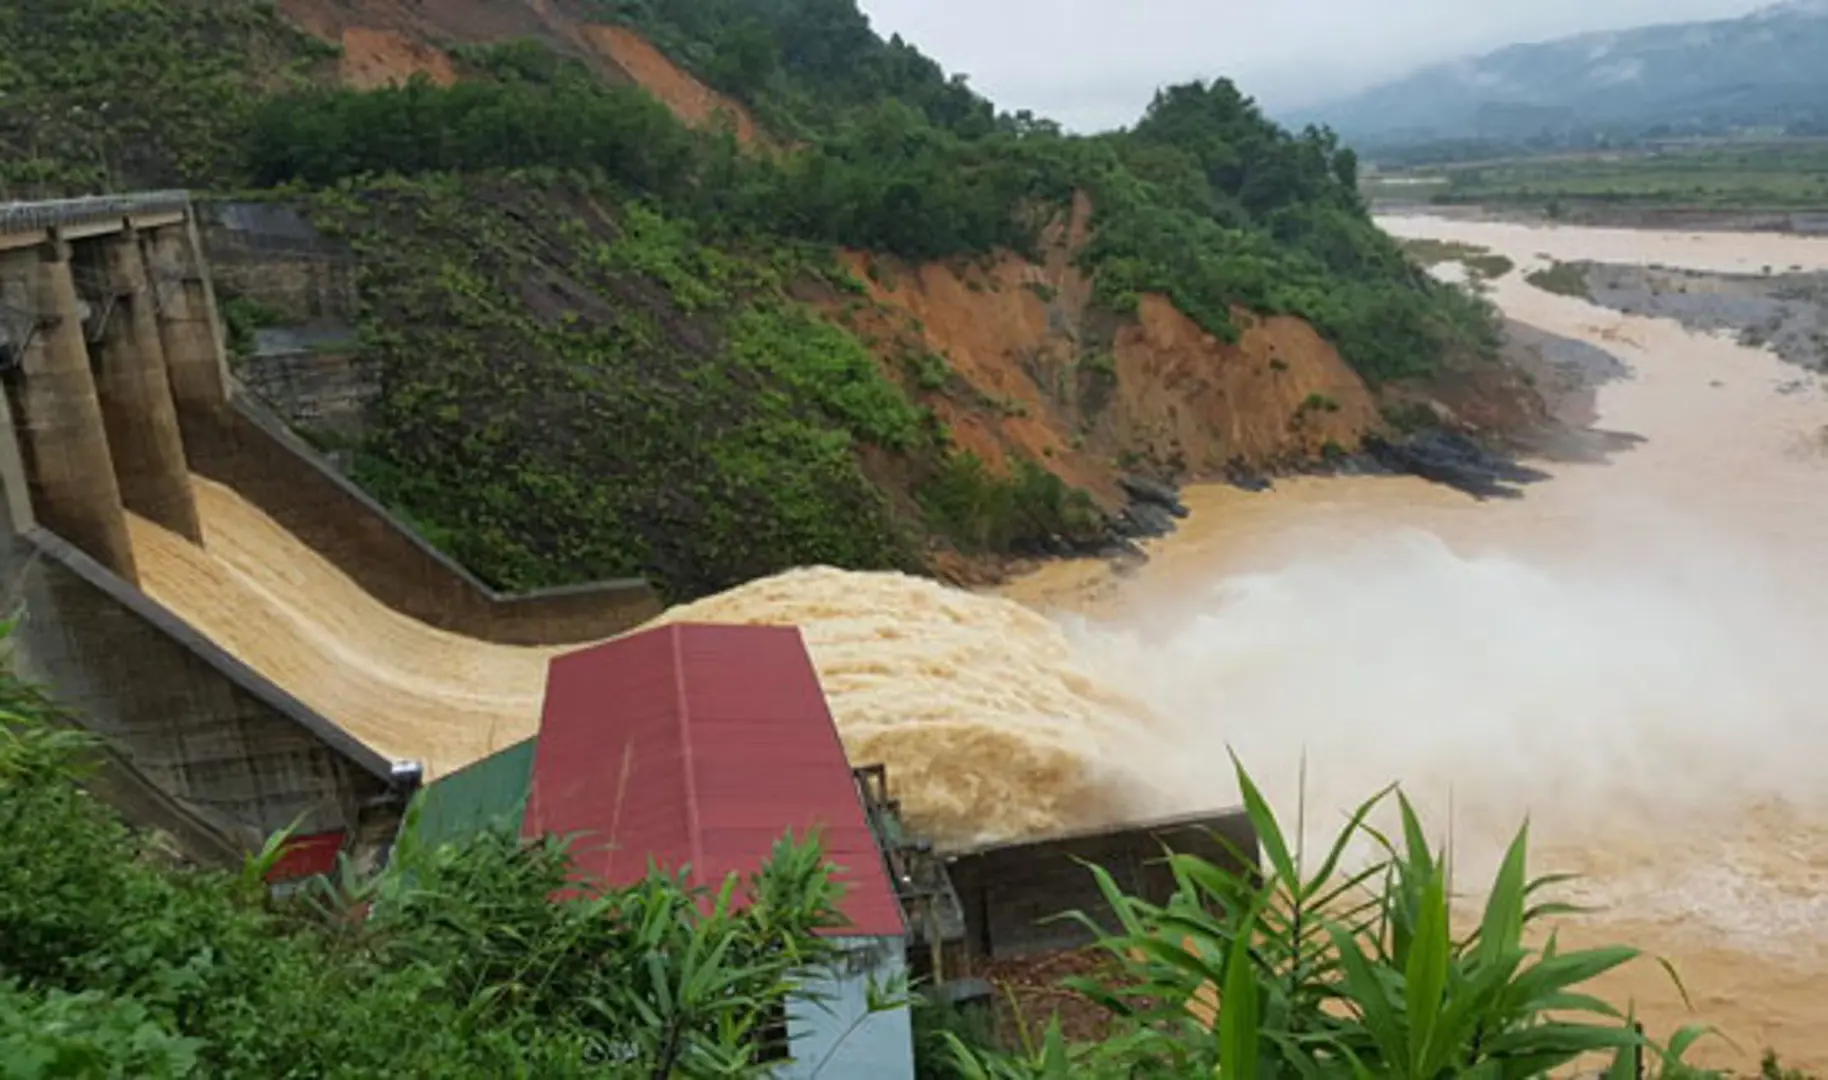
{"points": [[1766, 68]]}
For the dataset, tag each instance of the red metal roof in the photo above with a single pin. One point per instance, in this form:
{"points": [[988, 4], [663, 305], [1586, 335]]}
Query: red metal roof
{"points": [[306, 856], [700, 746]]}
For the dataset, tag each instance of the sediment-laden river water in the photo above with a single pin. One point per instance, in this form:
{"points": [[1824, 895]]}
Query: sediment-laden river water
{"points": [[1631, 655]]}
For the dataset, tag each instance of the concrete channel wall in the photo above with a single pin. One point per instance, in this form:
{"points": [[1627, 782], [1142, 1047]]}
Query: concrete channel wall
{"points": [[200, 746], [248, 449], [274, 255], [104, 321]]}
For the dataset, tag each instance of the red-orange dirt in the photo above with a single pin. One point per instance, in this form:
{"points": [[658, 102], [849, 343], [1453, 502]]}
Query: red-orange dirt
{"points": [[376, 58], [1034, 371], [391, 40], [440, 24], [1279, 394], [692, 101]]}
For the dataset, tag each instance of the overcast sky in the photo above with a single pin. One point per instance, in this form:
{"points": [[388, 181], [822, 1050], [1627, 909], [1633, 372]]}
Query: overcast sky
{"points": [[1094, 63]]}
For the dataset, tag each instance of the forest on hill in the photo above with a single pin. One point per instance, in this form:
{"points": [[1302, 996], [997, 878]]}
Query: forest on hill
{"points": [[605, 335]]}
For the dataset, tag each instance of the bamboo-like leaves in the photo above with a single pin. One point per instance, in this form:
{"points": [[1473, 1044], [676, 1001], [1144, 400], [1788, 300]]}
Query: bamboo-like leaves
{"points": [[1425, 978], [1241, 1014], [1335, 973]]}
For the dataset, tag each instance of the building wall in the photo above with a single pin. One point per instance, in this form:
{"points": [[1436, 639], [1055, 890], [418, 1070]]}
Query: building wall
{"points": [[1011, 894], [836, 1037]]}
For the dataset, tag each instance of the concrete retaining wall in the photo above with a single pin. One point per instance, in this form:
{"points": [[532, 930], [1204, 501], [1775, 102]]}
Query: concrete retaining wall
{"points": [[250, 450], [268, 252], [1010, 893], [220, 742], [319, 383]]}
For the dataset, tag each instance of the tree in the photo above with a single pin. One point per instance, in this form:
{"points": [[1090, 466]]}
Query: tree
{"points": [[747, 56]]}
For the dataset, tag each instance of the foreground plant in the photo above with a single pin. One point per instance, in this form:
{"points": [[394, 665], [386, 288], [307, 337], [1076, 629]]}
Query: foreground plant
{"points": [[1299, 973]]}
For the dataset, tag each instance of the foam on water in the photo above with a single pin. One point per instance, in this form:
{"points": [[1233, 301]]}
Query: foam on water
{"points": [[1623, 686]]}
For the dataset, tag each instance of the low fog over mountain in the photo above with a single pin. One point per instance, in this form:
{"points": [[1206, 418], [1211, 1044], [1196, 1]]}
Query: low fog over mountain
{"points": [[1769, 68]]}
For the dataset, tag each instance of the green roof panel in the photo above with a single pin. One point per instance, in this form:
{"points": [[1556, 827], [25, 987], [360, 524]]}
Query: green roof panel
{"points": [[481, 795]]}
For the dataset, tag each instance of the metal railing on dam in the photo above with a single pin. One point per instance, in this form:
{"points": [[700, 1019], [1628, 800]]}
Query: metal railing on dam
{"points": [[27, 217]]}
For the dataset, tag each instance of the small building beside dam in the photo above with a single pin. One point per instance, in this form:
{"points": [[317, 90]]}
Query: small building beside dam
{"points": [[695, 749]]}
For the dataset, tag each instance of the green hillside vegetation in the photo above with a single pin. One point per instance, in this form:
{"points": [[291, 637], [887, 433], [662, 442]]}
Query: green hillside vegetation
{"points": [[108, 94], [596, 352]]}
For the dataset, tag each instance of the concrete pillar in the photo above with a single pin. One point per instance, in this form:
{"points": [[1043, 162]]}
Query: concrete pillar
{"points": [[189, 324], [19, 516], [63, 440], [136, 391]]}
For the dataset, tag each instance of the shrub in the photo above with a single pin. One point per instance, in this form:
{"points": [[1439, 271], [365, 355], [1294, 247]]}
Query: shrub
{"points": [[1027, 510], [1563, 279], [1330, 971]]}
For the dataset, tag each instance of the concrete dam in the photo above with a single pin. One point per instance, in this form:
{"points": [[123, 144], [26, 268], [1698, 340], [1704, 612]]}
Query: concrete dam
{"points": [[260, 643], [263, 647]]}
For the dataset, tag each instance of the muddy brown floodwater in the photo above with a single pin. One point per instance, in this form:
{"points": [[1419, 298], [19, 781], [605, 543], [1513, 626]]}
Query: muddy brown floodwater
{"points": [[1630, 655]]}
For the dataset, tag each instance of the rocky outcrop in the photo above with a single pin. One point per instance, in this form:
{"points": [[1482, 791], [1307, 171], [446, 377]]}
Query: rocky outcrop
{"points": [[1455, 460], [1152, 509]]}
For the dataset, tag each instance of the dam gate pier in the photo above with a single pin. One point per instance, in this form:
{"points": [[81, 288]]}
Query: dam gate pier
{"points": [[118, 403]]}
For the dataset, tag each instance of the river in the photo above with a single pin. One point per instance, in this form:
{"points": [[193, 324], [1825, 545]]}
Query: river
{"points": [[1631, 654]]}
